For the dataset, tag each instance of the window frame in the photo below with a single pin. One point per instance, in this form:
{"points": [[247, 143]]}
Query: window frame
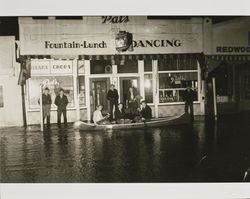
{"points": [[29, 109], [171, 89]]}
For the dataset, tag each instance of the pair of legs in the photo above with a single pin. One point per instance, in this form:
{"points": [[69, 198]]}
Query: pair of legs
{"points": [[61, 112], [47, 120], [191, 109], [113, 107]]}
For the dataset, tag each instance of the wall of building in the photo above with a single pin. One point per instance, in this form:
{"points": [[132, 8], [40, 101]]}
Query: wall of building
{"points": [[67, 39], [11, 104]]}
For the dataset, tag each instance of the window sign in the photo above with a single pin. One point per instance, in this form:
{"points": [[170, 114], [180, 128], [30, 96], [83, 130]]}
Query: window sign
{"points": [[47, 67]]}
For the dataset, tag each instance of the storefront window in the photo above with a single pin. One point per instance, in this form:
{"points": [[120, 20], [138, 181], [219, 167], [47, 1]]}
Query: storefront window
{"points": [[148, 85], [173, 85], [82, 94], [54, 84], [177, 64], [128, 66], [100, 67], [148, 65]]}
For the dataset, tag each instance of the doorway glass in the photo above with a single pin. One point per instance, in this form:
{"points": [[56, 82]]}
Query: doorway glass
{"points": [[98, 93], [125, 84]]}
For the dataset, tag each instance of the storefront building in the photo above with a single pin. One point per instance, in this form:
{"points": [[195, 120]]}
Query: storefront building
{"points": [[10, 92], [81, 57], [229, 63]]}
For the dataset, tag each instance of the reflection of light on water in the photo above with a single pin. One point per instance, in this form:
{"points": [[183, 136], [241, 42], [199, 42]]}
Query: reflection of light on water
{"points": [[109, 134], [157, 136]]}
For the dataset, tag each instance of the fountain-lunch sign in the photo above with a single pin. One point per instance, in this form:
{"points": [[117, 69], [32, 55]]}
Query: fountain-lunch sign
{"points": [[98, 37]]}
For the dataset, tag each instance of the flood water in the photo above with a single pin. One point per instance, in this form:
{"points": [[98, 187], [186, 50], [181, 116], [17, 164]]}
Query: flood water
{"points": [[200, 152]]}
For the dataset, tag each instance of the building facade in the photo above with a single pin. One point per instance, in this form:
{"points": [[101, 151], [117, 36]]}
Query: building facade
{"points": [[10, 92], [82, 57], [229, 63]]}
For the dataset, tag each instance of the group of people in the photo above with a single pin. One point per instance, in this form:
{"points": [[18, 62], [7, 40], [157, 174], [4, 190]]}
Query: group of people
{"points": [[61, 101], [133, 111]]}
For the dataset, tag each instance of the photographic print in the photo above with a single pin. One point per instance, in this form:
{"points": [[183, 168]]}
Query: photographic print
{"points": [[125, 99]]}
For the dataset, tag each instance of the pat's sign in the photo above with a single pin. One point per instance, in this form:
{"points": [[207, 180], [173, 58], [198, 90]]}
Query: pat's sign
{"points": [[115, 19]]}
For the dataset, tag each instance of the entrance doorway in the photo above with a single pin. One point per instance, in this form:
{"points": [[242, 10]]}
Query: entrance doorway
{"points": [[98, 93], [125, 84]]}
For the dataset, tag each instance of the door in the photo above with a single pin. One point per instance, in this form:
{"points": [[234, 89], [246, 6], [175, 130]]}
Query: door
{"points": [[125, 84], [98, 93]]}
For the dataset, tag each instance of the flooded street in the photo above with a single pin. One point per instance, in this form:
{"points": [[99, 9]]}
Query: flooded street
{"points": [[201, 152]]}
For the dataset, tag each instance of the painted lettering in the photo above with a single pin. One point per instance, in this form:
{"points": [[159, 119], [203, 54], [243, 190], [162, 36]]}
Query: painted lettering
{"points": [[115, 19]]}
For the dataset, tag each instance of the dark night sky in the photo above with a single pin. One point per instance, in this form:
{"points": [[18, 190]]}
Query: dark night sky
{"points": [[9, 25]]}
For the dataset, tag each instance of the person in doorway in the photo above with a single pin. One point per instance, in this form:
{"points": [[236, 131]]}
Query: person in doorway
{"points": [[98, 117], [189, 96], [112, 96], [146, 111], [46, 106], [61, 102], [131, 102]]}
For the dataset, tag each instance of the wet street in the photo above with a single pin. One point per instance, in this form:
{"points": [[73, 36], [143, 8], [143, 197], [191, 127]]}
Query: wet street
{"points": [[201, 152]]}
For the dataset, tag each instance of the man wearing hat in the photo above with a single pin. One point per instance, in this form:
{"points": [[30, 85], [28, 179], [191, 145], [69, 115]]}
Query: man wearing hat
{"points": [[112, 96], [61, 102], [46, 106]]}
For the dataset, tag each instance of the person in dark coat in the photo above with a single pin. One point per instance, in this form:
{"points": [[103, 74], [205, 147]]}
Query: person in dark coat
{"points": [[131, 102], [46, 106], [112, 96], [119, 114], [61, 102], [146, 111], [189, 97]]}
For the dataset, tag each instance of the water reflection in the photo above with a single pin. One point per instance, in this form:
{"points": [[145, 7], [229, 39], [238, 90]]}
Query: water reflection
{"points": [[202, 151]]}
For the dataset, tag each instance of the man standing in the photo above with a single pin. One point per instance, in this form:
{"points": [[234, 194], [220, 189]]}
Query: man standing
{"points": [[61, 102], [46, 106], [189, 96], [112, 96]]}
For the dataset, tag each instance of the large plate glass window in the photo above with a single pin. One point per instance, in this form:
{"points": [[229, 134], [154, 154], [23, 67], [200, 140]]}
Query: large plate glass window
{"points": [[174, 77], [54, 84]]}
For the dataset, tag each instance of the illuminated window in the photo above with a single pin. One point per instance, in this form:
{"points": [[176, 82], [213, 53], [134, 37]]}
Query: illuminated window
{"points": [[148, 86], [173, 85]]}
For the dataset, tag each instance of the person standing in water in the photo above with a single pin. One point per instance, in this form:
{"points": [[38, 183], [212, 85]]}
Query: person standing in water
{"points": [[61, 102], [189, 97], [46, 106], [112, 96]]}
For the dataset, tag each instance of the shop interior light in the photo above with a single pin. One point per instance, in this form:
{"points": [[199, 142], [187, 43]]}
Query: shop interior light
{"points": [[147, 83]]}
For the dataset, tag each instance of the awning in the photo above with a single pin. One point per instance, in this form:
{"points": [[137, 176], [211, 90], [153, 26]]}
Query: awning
{"points": [[214, 61], [232, 58]]}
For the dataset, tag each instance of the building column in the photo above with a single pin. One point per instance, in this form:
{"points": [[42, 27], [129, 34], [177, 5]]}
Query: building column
{"points": [[155, 87], [76, 88], [141, 75], [87, 88], [201, 91]]}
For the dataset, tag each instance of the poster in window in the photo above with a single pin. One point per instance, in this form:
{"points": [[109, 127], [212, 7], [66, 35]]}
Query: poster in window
{"points": [[1, 96]]}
